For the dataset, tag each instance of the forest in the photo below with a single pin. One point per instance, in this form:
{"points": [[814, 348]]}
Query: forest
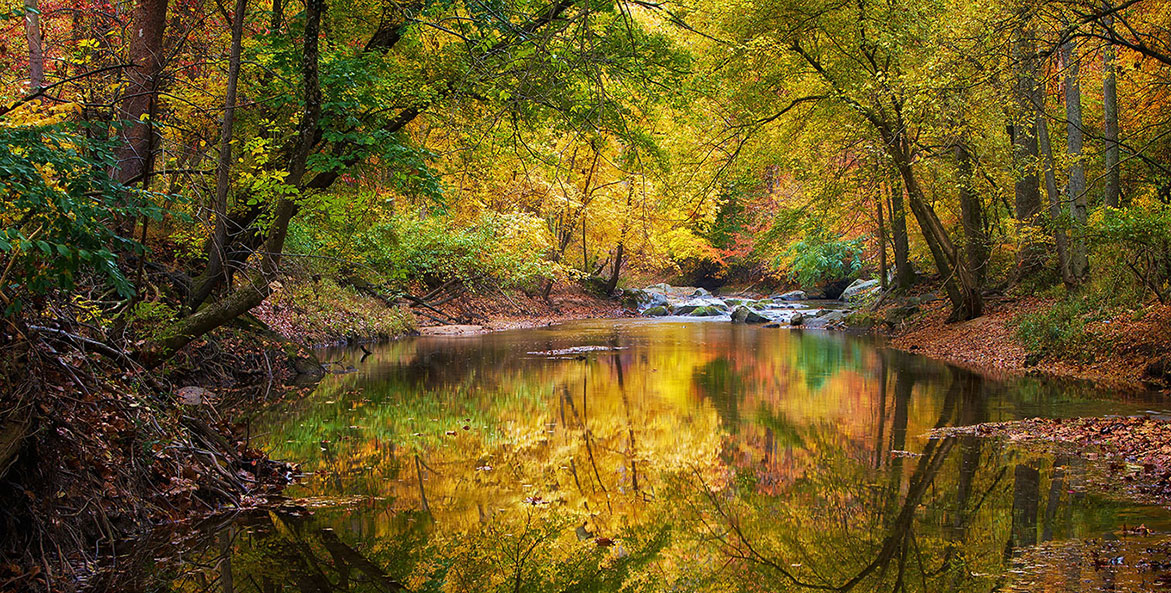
{"points": [[196, 196]]}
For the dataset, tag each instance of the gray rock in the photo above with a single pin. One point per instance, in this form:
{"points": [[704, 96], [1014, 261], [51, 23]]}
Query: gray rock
{"points": [[896, 315], [656, 311], [797, 319], [687, 307], [193, 396], [743, 314], [705, 311], [793, 295], [701, 292], [859, 289]]}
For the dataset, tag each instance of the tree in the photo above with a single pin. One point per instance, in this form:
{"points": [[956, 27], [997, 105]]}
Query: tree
{"points": [[139, 103], [1076, 191]]}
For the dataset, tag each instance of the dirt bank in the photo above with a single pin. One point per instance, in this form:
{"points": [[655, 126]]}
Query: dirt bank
{"points": [[320, 313], [1125, 343]]}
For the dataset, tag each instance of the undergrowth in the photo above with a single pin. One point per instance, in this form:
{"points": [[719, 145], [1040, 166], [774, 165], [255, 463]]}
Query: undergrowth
{"points": [[318, 312]]}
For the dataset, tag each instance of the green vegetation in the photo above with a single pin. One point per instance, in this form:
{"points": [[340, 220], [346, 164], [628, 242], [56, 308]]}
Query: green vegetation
{"points": [[1059, 331]]}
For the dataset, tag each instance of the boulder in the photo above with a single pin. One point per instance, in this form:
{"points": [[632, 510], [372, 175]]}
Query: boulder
{"points": [[859, 289], [634, 298], [661, 287], [193, 396], [772, 325], [705, 311], [701, 292], [743, 314], [657, 311], [793, 295], [687, 307], [897, 315], [797, 319]]}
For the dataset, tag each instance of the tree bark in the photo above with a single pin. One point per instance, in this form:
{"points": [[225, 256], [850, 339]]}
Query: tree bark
{"points": [[218, 243], [965, 297], [36, 52], [882, 265], [972, 215], [1076, 188], [1113, 195], [612, 283], [1055, 210], [1027, 190], [904, 273], [140, 101]]}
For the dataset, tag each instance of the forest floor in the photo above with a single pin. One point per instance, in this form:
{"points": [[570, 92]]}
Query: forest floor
{"points": [[319, 313], [498, 310], [1126, 343]]}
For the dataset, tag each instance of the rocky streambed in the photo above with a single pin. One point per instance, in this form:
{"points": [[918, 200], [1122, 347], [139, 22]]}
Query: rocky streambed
{"points": [[793, 308]]}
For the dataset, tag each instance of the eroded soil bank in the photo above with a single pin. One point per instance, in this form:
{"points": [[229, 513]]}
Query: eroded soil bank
{"points": [[1126, 344]]}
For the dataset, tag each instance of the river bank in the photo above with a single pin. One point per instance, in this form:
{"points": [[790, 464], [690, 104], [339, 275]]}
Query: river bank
{"points": [[1121, 348]]}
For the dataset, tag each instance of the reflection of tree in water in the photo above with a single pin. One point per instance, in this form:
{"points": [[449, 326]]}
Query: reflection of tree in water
{"points": [[612, 475]]}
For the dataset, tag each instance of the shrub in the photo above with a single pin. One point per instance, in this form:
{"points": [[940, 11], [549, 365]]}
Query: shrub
{"points": [[1139, 239], [1060, 330], [507, 249], [59, 209], [817, 258]]}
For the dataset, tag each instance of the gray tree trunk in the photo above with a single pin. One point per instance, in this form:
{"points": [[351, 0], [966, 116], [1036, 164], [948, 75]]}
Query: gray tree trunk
{"points": [[1076, 195], [1110, 126], [36, 52], [904, 273], [1055, 210], [972, 215], [1025, 156], [218, 242]]}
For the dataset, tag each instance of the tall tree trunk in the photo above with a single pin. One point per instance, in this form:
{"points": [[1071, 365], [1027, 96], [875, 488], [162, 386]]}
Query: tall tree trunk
{"points": [[612, 283], [972, 215], [1113, 193], [1055, 210], [1025, 155], [958, 282], [882, 265], [904, 273], [218, 242], [1076, 188], [140, 101], [36, 52], [259, 285]]}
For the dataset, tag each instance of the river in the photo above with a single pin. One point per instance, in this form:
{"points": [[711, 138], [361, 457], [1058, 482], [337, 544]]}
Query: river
{"points": [[680, 455]]}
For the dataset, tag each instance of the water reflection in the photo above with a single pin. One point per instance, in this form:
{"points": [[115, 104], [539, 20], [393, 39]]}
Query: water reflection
{"points": [[667, 456]]}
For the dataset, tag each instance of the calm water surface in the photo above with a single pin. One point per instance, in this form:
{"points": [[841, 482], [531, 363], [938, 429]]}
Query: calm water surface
{"points": [[683, 456]]}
